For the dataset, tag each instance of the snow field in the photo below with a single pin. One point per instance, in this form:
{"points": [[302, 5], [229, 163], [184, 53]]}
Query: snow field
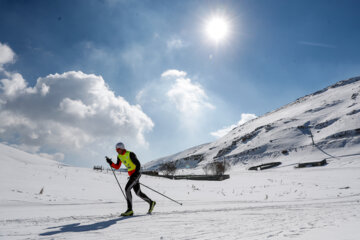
{"points": [[77, 203]]}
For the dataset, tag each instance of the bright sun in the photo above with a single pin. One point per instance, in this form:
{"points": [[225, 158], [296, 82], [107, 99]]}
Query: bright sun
{"points": [[217, 29]]}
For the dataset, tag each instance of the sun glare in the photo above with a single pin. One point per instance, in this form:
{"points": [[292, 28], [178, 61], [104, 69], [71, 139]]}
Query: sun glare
{"points": [[217, 29]]}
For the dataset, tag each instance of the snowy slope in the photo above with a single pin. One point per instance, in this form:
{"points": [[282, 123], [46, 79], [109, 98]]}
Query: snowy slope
{"points": [[325, 122], [79, 203]]}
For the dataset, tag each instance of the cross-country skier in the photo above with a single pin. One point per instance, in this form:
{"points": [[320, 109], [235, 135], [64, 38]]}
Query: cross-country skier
{"points": [[133, 165]]}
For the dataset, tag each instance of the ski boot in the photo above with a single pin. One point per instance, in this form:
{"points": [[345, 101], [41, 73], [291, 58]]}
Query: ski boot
{"points": [[128, 212], [152, 205]]}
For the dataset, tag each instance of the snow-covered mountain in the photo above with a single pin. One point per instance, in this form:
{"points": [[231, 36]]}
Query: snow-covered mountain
{"points": [[325, 124]]}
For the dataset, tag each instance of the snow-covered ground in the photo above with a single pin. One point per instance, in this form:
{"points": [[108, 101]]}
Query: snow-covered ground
{"points": [[78, 203]]}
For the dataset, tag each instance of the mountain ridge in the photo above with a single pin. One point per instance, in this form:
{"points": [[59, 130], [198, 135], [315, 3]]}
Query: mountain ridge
{"points": [[325, 119]]}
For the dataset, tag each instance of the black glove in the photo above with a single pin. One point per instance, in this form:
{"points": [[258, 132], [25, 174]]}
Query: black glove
{"points": [[108, 160]]}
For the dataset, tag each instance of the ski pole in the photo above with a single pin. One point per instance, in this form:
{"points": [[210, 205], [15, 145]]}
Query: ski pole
{"points": [[118, 182], [161, 194]]}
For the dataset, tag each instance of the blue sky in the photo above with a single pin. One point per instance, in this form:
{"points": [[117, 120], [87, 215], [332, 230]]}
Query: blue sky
{"points": [[157, 81]]}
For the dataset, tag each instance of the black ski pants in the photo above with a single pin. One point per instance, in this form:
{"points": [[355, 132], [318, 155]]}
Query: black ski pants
{"points": [[133, 183]]}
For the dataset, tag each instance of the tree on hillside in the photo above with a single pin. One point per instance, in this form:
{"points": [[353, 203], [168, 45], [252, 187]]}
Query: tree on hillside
{"points": [[216, 168], [168, 168]]}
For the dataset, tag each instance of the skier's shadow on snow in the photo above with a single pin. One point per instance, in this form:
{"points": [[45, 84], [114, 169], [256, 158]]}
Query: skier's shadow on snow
{"points": [[76, 227]]}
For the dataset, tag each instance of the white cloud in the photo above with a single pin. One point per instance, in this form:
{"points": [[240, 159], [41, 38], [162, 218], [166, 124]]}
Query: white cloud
{"points": [[44, 89], [176, 96], [76, 108], [245, 117], [73, 96], [67, 112], [188, 96], [6, 55], [185, 94], [171, 73], [13, 85]]}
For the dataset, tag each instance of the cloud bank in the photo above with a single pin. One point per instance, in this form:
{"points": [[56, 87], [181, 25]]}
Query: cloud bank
{"points": [[65, 112], [244, 118]]}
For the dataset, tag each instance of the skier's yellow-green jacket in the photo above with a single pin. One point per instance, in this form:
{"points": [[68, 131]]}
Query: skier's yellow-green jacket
{"points": [[130, 160]]}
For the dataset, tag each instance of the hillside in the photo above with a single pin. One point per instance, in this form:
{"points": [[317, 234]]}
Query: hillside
{"points": [[322, 125]]}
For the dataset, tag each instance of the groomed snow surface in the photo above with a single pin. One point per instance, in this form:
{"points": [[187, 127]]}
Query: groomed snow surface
{"points": [[280, 203]]}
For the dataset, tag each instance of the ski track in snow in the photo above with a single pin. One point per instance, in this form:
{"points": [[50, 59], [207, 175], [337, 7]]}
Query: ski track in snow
{"points": [[273, 221], [194, 220]]}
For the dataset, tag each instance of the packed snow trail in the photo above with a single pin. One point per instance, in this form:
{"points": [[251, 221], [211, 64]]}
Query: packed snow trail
{"points": [[198, 220]]}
